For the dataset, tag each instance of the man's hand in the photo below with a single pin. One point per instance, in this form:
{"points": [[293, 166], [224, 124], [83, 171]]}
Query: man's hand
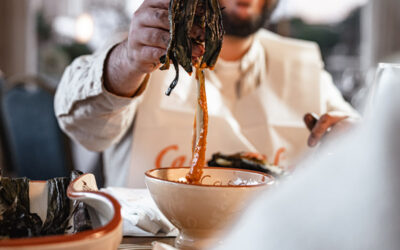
{"points": [[332, 122], [130, 61]]}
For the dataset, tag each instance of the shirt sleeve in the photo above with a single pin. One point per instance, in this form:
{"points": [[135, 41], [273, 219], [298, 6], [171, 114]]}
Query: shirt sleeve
{"points": [[334, 100], [86, 111]]}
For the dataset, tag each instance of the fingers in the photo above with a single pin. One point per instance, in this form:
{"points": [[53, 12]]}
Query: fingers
{"points": [[151, 55], [146, 59], [152, 37], [148, 36], [163, 4], [310, 119], [155, 18], [198, 50], [322, 126]]}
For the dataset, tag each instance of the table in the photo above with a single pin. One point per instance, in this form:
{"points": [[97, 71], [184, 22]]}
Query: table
{"points": [[143, 243]]}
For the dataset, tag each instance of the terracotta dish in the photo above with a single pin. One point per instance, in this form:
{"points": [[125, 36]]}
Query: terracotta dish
{"points": [[104, 211]]}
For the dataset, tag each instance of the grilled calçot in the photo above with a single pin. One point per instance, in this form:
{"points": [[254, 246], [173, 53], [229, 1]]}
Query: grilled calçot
{"points": [[184, 16]]}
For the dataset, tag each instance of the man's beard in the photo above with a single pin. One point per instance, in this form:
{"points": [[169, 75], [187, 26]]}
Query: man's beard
{"points": [[235, 26]]}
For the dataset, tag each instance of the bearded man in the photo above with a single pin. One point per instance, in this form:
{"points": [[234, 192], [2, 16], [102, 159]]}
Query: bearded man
{"points": [[258, 93]]}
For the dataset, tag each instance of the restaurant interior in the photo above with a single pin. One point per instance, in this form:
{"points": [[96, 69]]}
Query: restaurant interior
{"points": [[39, 39]]}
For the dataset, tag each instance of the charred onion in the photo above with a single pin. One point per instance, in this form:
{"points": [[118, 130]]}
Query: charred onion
{"points": [[183, 16]]}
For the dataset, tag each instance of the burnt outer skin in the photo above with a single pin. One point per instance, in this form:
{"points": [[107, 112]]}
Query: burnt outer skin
{"points": [[183, 14], [214, 33], [16, 220], [239, 162]]}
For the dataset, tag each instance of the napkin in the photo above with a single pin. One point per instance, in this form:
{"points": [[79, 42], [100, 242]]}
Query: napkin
{"points": [[141, 217]]}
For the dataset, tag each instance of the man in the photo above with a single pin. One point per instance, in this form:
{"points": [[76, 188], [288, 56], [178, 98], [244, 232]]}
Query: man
{"points": [[260, 89]]}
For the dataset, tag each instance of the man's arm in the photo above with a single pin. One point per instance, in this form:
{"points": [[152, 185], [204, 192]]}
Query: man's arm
{"points": [[86, 111], [139, 55], [98, 95]]}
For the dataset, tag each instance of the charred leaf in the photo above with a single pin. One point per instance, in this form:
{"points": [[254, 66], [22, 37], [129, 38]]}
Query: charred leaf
{"points": [[183, 14], [63, 215]]}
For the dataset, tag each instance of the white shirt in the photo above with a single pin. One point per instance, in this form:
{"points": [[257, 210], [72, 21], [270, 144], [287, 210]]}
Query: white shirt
{"points": [[240, 77], [229, 74]]}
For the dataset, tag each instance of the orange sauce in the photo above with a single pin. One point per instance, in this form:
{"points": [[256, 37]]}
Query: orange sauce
{"points": [[199, 140]]}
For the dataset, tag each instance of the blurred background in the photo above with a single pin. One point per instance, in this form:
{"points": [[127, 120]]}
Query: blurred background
{"points": [[39, 38]]}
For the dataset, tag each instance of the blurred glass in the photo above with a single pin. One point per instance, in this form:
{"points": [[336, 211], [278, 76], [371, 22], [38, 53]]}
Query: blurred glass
{"points": [[387, 79]]}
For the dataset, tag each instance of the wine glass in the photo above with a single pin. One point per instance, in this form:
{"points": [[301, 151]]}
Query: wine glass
{"points": [[387, 80]]}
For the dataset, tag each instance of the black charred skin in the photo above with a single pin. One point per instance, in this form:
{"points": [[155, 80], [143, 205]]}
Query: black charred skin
{"points": [[16, 220], [183, 14]]}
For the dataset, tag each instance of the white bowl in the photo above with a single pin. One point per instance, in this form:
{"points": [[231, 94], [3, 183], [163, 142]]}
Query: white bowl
{"points": [[203, 212], [103, 209]]}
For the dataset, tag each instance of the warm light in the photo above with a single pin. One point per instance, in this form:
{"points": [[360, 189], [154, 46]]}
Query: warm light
{"points": [[64, 26], [84, 28]]}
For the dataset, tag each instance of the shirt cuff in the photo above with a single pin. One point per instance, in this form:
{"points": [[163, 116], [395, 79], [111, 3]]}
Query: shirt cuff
{"points": [[83, 80]]}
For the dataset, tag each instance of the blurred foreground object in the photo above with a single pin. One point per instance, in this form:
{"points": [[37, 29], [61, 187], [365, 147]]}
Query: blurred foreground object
{"points": [[380, 36], [348, 200]]}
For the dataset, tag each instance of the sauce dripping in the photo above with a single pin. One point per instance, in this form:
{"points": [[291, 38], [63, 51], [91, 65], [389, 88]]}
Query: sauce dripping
{"points": [[199, 132]]}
